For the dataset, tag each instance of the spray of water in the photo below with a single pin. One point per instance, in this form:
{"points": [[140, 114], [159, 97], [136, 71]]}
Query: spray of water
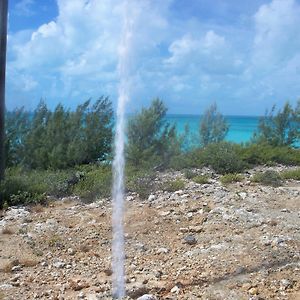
{"points": [[118, 284]]}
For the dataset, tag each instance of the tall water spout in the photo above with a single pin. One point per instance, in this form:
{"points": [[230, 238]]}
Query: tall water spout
{"points": [[118, 284]]}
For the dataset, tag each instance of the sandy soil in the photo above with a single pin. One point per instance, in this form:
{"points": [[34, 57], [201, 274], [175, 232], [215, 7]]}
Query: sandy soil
{"points": [[204, 242]]}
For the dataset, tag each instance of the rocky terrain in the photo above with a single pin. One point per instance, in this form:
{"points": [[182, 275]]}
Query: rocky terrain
{"points": [[206, 241]]}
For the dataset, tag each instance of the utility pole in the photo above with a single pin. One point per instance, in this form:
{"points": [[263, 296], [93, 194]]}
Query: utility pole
{"points": [[3, 41]]}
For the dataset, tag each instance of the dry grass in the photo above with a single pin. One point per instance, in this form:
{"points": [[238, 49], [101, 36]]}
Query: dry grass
{"points": [[55, 241], [85, 248], [37, 208], [25, 262], [7, 267], [108, 272], [28, 263], [7, 230]]}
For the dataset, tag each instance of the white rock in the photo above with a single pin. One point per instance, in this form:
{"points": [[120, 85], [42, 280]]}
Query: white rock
{"points": [[243, 195], [164, 213], [175, 289], [16, 268], [147, 297], [179, 192], [163, 251], [151, 197], [59, 264], [16, 213], [129, 198], [71, 251]]}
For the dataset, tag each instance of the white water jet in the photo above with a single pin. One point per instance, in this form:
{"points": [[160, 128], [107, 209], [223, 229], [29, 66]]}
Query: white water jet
{"points": [[118, 283]]}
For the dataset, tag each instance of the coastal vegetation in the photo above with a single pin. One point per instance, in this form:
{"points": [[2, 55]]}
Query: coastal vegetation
{"points": [[269, 177], [62, 152], [279, 128], [213, 126], [61, 138], [230, 178]]}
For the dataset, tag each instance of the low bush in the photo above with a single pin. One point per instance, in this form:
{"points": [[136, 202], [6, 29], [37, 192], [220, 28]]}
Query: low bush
{"points": [[201, 179], [173, 185], [87, 181], [291, 174], [230, 178], [223, 157], [140, 181], [257, 154], [95, 181], [23, 187], [268, 177], [189, 174]]}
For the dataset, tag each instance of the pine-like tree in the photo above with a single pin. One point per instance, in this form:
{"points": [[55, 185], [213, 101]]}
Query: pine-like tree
{"points": [[213, 126]]}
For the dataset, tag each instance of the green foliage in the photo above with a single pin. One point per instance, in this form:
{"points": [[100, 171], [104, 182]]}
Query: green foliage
{"points": [[95, 182], [195, 158], [16, 129], [230, 178], [151, 141], [213, 126], [223, 157], [269, 177], [281, 128], [141, 182], [182, 161], [59, 139], [189, 174], [28, 187], [35, 142], [173, 185], [291, 174], [16, 190], [258, 154], [201, 179], [33, 186]]}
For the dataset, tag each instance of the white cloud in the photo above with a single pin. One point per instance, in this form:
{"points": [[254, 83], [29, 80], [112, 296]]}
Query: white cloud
{"points": [[79, 50], [213, 41], [272, 74], [75, 56], [277, 36], [209, 53]]}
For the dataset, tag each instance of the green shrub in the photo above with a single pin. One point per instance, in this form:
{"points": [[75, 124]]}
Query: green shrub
{"points": [[223, 157], [141, 182], [201, 179], [173, 185], [17, 189], [96, 181], [213, 126], [291, 174], [152, 142], [189, 159], [230, 178], [280, 127], [61, 138], [27, 187], [189, 174], [257, 154], [268, 177], [24, 197]]}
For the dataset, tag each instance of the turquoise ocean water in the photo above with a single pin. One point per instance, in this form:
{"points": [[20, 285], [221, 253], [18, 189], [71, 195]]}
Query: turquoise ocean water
{"points": [[241, 128]]}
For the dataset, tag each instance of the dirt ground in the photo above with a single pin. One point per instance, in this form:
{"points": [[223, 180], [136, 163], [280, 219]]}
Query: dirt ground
{"points": [[204, 242]]}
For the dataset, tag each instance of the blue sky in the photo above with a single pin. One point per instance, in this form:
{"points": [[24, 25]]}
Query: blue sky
{"points": [[243, 55]]}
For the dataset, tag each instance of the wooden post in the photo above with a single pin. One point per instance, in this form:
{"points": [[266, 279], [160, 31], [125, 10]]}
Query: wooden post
{"points": [[3, 41]]}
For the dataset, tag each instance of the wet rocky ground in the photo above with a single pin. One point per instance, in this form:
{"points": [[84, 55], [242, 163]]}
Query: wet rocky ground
{"points": [[206, 241]]}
